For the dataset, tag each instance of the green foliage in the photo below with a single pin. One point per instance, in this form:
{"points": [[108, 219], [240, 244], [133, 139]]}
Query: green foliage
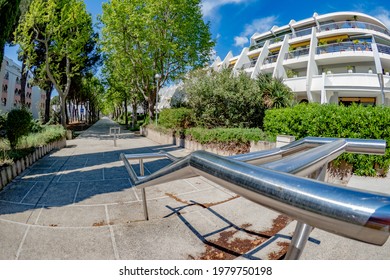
{"points": [[17, 125], [227, 135], [142, 38], [48, 134], [9, 11], [177, 118], [222, 99], [62, 31], [337, 121]]}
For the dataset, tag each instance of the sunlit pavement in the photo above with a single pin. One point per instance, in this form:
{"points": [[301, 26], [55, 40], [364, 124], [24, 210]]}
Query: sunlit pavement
{"points": [[78, 203]]}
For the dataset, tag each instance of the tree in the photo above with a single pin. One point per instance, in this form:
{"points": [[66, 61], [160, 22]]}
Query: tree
{"points": [[275, 94], [9, 10], [64, 28], [155, 37]]}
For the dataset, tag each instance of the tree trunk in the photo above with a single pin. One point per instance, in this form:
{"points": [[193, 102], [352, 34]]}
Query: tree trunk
{"points": [[49, 91], [134, 114], [23, 83], [126, 116], [64, 114]]}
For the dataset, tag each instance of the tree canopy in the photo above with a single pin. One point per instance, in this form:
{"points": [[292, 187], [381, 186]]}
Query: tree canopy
{"points": [[64, 29], [149, 37], [9, 11]]}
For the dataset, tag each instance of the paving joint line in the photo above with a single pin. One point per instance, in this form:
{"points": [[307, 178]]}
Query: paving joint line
{"points": [[113, 241]]}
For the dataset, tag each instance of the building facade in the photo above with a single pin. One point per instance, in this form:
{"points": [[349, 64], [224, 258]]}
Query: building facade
{"points": [[10, 75], [341, 57]]}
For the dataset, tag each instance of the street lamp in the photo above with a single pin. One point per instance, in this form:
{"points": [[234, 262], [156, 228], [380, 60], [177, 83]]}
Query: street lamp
{"points": [[157, 77]]}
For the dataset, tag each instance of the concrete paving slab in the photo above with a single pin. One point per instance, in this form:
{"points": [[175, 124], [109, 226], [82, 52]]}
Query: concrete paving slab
{"points": [[95, 213], [107, 191], [11, 235], [21, 213], [59, 194], [57, 243], [16, 191], [334, 247], [172, 189], [41, 174], [73, 216], [167, 239]]}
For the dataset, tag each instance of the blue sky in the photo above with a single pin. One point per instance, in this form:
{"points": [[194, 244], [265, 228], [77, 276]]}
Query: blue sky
{"points": [[233, 22]]}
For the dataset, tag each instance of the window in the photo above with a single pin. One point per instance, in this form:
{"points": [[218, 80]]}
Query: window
{"points": [[365, 101], [6, 76]]}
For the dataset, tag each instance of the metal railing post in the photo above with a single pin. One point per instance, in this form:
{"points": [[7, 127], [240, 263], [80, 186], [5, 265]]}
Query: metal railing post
{"points": [[144, 202], [302, 230]]}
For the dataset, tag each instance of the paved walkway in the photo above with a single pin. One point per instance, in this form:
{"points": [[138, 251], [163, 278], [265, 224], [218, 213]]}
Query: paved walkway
{"points": [[78, 203]]}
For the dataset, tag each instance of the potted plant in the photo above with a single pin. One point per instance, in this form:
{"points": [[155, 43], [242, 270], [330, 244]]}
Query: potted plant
{"points": [[370, 70], [387, 71], [350, 69]]}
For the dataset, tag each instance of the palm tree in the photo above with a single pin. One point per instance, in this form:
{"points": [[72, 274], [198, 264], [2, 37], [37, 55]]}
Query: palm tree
{"points": [[274, 93]]}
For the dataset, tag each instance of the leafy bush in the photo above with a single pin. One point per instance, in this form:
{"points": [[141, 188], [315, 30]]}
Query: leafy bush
{"points": [[177, 118], [48, 134], [226, 135], [17, 125], [337, 121], [224, 99], [219, 99]]}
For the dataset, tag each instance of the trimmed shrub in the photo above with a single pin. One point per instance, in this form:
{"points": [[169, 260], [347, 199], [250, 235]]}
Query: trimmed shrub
{"points": [[176, 118], [227, 135], [17, 125], [332, 120]]}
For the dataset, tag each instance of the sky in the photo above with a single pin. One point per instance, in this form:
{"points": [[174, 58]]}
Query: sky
{"points": [[233, 22]]}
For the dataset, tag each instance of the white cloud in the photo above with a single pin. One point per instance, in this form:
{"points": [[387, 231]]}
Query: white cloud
{"points": [[384, 16], [259, 25], [240, 41], [209, 7]]}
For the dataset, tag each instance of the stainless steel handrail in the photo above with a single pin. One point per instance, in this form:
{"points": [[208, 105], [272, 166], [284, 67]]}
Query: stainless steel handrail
{"points": [[348, 212], [357, 146], [344, 211]]}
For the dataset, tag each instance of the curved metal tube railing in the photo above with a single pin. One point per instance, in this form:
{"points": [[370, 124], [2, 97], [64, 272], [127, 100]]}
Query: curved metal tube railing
{"points": [[353, 213], [357, 146]]}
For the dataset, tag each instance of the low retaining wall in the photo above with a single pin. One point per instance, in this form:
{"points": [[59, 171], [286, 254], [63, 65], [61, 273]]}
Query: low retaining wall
{"points": [[163, 138], [8, 173]]}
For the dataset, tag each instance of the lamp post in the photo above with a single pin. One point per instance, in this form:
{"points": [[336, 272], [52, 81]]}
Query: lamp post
{"points": [[157, 77]]}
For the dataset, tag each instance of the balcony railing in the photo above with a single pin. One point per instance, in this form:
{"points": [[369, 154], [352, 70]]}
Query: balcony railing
{"points": [[276, 39], [297, 53], [383, 49], [303, 32], [256, 46], [342, 47], [352, 24], [270, 59], [249, 64]]}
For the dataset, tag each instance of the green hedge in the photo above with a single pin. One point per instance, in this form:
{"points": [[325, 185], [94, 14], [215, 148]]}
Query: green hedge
{"points": [[337, 121], [227, 135], [176, 118]]}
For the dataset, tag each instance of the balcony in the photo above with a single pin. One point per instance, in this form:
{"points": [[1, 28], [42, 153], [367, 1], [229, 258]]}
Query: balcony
{"points": [[352, 24], [303, 32], [270, 59], [297, 53], [249, 64], [344, 47]]}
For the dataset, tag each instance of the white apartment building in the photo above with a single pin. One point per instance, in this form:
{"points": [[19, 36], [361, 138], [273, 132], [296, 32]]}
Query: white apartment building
{"points": [[10, 78], [341, 57]]}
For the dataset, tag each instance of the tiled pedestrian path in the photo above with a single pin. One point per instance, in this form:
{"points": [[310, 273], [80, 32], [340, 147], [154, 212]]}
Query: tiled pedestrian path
{"points": [[78, 203]]}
